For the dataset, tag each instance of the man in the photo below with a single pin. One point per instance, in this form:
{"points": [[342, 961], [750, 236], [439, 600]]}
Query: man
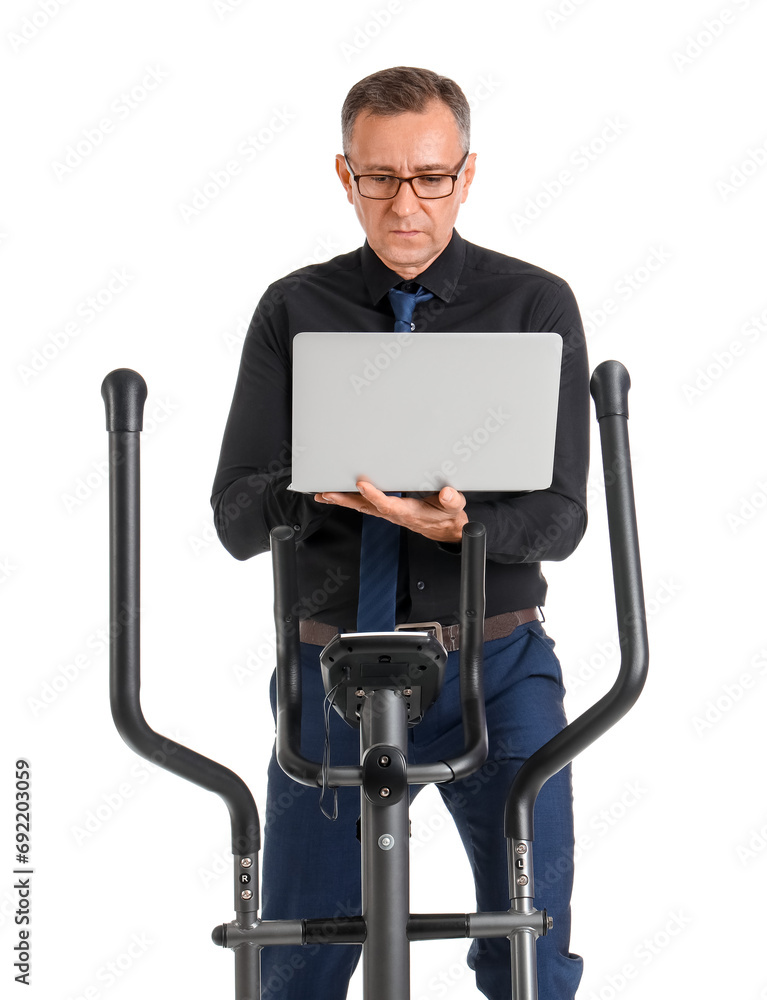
{"points": [[406, 168]]}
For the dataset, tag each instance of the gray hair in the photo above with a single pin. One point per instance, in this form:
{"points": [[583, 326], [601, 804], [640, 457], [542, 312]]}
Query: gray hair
{"points": [[400, 89]]}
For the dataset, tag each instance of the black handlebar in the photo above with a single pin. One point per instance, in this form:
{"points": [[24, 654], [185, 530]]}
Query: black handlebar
{"points": [[609, 387], [472, 618], [124, 395], [124, 392]]}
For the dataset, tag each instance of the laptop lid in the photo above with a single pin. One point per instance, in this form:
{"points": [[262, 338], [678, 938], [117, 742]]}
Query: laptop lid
{"points": [[413, 412]]}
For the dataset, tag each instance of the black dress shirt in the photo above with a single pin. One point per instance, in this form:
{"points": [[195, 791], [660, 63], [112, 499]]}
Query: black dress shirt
{"points": [[474, 290]]}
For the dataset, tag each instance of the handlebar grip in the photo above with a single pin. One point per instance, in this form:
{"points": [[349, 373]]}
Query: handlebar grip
{"points": [[610, 386], [124, 394]]}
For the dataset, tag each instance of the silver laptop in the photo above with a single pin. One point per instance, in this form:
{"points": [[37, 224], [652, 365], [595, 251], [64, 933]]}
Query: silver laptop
{"points": [[413, 412]]}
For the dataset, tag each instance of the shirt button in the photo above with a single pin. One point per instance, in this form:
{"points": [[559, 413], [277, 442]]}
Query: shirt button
{"points": [[420, 585], [296, 527]]}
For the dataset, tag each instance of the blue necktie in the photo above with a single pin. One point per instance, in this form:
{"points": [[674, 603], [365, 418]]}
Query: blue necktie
{"points": [[404, 303], [379, 551]]}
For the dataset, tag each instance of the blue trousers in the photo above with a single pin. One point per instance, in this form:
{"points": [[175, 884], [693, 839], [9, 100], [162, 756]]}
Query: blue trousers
{"points": [[311, 865]]}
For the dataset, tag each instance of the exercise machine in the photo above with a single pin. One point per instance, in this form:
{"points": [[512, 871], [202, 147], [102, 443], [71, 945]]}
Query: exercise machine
{"points": [[381, 683]]}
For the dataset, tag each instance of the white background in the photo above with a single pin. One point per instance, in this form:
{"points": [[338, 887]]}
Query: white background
{"points": [[669, 806]]}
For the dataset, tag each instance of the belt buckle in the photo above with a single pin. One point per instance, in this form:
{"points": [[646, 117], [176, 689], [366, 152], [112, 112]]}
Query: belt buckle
{"points": [[419, 627]]}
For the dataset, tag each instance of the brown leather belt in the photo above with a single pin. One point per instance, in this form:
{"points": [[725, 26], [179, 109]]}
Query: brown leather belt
{"points": [[497, 627]]}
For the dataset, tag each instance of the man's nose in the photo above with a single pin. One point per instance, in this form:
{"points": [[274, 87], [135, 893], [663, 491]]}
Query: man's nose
{"points": [[405, 202]]}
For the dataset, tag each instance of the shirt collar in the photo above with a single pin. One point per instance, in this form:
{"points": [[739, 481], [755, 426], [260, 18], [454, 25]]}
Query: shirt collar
{"points": [[440, 277]]}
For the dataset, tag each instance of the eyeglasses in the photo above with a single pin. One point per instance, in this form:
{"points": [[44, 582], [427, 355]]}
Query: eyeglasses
{"points": [[384, 187]]}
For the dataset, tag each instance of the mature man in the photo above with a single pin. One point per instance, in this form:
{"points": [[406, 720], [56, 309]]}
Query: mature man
{"points": [[406, 168]]}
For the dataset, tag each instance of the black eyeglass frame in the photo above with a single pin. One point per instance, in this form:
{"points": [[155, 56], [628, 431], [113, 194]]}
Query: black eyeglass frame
{"points": [[409, 180]]}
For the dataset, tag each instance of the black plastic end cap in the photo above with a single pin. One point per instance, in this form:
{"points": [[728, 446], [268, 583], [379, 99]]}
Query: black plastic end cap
{"points": [[610, 386], [218, 935], [124, 394], [474, 528], [282, 533]]}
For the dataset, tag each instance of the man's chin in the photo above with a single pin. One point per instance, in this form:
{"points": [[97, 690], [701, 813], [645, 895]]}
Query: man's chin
{"points": [[407, 249]]}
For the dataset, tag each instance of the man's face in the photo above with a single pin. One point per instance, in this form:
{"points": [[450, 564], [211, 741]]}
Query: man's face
{"points": [[407, 232]]}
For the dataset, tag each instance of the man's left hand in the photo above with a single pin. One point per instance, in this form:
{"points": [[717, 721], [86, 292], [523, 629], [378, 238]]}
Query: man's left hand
{"points": [[440, 516]]}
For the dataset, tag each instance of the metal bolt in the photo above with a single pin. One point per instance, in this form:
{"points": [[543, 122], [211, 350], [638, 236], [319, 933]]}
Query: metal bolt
{"points": [[246, 862], [384, 761], [521, 848], [522, 880], [407, 692], [549, 923], [384, 793], [386, 841], [246, 894], [360, 692]]}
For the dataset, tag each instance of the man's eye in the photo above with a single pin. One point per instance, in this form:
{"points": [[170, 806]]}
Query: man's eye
{"points": [[380, 178], [430, 180]]}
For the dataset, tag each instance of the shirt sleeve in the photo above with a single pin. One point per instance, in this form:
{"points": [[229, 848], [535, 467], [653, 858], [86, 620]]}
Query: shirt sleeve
{"points": [[548, 524], [250, 494]]}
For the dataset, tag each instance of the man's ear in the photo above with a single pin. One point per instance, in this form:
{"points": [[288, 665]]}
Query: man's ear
{"points": [[468, 175], [345, 177]]}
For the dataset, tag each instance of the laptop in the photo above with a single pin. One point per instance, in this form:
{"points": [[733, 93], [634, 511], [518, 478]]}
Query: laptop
{"points": [[413, 412]]}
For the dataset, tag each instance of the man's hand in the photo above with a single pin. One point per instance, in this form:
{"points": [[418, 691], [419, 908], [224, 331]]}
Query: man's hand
{"points": [[440, 516]]}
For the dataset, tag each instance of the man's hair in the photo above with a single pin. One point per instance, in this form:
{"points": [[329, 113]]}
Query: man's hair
{"points": [[400, 89]]}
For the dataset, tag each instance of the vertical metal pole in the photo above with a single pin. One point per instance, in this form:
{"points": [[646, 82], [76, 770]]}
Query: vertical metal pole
{"points": [[524, 967], [384, 833], [247, 957], [247, 972]]}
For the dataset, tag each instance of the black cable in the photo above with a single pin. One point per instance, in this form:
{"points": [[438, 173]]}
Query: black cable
{"points": [[326, 708]]}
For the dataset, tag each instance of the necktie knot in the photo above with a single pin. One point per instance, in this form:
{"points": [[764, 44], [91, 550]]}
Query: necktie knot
{"points": [[404, 303]]}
